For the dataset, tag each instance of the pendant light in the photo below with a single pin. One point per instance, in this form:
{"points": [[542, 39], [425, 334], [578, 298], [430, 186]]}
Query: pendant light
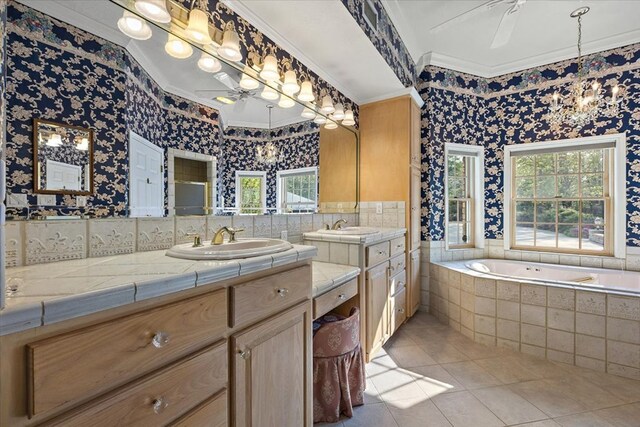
{"points": [[134, 26], [178, 48], [348, 118], [248, 81], [308, 113], [320, 120], [338, 114], [155, 10], [290, 85], [230, 47], [286, 102], [327, 105], [330, 125], [269, 70], [306, 92], [208, 63], [198, 27], [268, 93]]}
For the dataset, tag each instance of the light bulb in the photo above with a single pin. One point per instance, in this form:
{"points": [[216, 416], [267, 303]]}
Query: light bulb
{"points": [[327, 105], [208, 63], [230, 47], [248, 80], [198, 27], [268, 93], [270, 69], [308, 113], [178, 48], [286, 102], [155, 10], [348, 118], [320, 120], [615, 90], [306, 92], [290, 85], [338, 114], [134, 26], [330, 125]]}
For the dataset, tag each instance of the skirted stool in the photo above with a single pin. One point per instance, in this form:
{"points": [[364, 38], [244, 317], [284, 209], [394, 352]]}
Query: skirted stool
{"points": [[338, 369]]}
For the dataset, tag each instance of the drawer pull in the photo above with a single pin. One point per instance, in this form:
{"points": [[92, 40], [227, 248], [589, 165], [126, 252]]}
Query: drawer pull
{"points": [[282, 292], [342, 297], [401, 310], [400, 245], [244, 354], [160, 339], [381, 253], [159, 405]]}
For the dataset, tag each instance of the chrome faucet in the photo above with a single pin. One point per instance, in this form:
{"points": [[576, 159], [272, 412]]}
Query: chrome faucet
{"points": [[338, 224], [218, 238]]}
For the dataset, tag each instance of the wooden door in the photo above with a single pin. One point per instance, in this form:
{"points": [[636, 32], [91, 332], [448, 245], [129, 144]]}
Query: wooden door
{"points": [[272, 371], [377, 308], [414, 282]]}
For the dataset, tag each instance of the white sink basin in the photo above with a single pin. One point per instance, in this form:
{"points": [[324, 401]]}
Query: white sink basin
{"points": [[350, 231], [243, 248]]}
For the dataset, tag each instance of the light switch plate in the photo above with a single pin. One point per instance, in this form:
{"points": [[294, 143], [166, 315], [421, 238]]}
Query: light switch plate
{"points": [[81, 201], [284, 235], [17, 200], [46, 200], [379, 208]]}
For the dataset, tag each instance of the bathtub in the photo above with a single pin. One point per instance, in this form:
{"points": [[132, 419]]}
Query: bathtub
{"points": [[622, 281]]}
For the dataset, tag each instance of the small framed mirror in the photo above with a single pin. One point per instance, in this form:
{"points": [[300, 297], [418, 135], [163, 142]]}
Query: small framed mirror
{"points": [[62, 158]]}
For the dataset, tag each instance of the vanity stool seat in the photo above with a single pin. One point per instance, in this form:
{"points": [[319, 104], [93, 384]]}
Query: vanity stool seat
{"points": [[338, 369]]}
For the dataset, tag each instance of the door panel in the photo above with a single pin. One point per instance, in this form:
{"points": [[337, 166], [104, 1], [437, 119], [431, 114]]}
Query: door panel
{"points": [[146, 178]]}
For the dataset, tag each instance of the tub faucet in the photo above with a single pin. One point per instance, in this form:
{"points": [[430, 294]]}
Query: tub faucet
{"points": [[218, 238], [338, 224]]}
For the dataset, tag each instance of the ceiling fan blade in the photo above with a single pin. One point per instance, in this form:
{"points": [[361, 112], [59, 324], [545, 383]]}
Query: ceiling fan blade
{"points": [[468, 15], [227, 80], [212, 93], [507, 24]]}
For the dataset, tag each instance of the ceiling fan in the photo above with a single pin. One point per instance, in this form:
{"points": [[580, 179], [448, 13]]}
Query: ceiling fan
{"points": [[507, 23], [234, 95]]}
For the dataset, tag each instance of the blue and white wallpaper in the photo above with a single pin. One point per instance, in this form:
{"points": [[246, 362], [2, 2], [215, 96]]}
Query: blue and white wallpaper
{"points": [[511, 109], [298, 147]]}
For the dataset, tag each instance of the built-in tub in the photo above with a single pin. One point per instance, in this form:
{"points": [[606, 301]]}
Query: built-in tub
{"points": [[587, 277]]}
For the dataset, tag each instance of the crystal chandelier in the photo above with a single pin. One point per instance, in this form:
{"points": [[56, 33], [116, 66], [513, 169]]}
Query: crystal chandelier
{"points": [[267, 153], [585, 102]]}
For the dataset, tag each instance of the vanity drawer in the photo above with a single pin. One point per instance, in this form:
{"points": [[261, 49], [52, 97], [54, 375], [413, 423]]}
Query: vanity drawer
{"points": [[159, 398], [397, 264], [398, 282], [328, 301], [398, 309], [398, 245], [90, 361], [212, 413], [377, 253], [255, 300]]}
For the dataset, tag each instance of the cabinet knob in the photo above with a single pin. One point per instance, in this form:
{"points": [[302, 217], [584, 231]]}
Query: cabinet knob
{"points": [[342, 296], [159, 405], [401, 310], [400, 245], [282, 292], [381, 253], [244, 354], [160, 339]]}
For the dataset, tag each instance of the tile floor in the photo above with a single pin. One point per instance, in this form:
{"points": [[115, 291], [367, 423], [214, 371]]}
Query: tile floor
{"points": [[430, 375]]}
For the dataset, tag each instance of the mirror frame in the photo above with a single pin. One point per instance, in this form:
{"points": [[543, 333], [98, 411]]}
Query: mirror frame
{"points": [[36, 167]]}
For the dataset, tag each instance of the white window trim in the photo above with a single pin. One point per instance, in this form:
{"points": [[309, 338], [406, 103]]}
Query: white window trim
{"points": [[477, 192], [253, 174], [619, 193], [284, 173]]}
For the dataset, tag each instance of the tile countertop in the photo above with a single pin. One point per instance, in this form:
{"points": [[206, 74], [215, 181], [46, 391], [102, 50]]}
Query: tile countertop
{"points": [[327, 276], [365, 239], [49, 293]]}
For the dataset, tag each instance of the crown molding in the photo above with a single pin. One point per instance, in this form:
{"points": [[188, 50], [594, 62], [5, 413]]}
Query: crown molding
{"points": [[407, 91], [488, 71]]}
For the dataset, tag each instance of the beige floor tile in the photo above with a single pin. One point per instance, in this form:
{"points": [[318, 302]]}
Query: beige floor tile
{"points": [[400, 339], [509, 406], [626, 389], [397, 385], [381, 363], [586, 419], [377, 415], [588, 394], [509, 369], [435, 380], [471, 375], [462, 409], [545, 423], [409, 357], [444, 353], [337, 424], [417, 413], [622, 416], [371, 394], [552, 402]]}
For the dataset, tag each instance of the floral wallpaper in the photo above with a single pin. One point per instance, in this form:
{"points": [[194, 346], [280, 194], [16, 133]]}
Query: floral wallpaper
{"points": [[298, 146], [512, 109], [68, 75], [386, 40]]}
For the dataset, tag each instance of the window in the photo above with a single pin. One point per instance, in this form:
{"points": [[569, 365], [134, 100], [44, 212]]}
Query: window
{"points": [[561, 196], [298, 190], [251, 192], [464, 206]]}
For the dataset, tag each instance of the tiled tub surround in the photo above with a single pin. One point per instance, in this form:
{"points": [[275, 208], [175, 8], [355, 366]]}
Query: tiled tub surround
{"points": [[55, 292], [36, 242], [569, 324]]}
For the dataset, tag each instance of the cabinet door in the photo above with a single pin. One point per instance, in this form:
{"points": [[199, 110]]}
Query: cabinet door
{"points": [[414, 282], [377, 307], [416, 155], [416, 199], [272, 371], [398, 312]]}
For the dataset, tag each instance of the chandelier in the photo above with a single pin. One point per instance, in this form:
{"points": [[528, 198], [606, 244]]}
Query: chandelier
{"points": [[585, 102], [267, 153]]}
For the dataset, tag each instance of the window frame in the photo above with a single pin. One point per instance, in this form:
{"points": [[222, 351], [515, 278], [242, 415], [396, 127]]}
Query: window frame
{"points": [[299, 171], [615, 209], [475, 177], [251, 174]]}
